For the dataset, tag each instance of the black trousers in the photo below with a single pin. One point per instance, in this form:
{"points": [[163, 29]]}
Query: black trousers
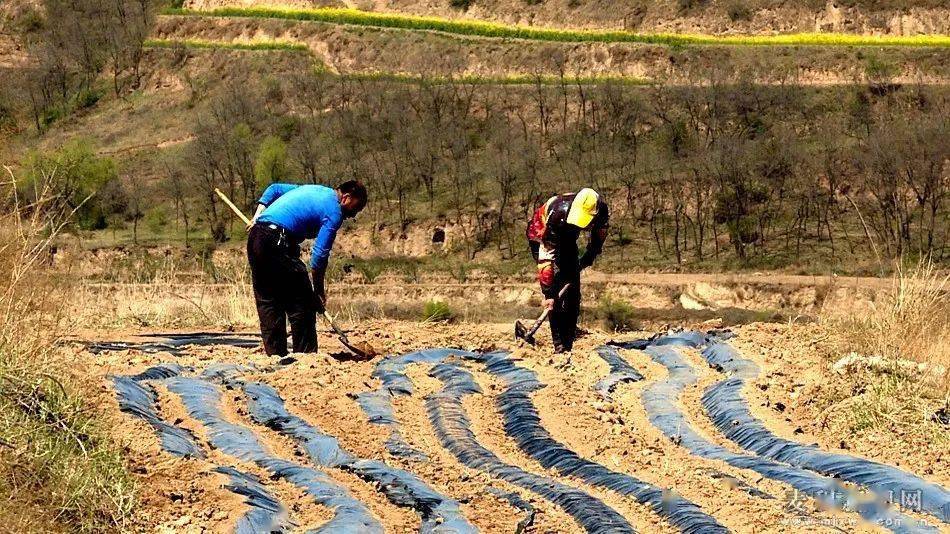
{"points": [[282, 291], [563, 317]]}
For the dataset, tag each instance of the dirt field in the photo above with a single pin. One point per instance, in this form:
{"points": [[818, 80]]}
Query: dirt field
{"points": [[615, 430]]}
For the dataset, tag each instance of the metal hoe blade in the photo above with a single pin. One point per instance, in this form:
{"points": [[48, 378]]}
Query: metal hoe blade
{"points": [[522, 333]]}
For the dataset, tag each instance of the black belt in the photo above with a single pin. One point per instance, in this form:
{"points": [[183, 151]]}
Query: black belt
{"points": [[283, 235]]}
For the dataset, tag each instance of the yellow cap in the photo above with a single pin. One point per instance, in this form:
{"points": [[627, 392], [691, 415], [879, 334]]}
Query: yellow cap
{"points": [[583, 208]]}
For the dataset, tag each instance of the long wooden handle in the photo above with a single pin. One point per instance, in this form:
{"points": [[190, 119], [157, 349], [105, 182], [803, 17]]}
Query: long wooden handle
{"points": [[544, 315], [237, 211], [333, 326]]}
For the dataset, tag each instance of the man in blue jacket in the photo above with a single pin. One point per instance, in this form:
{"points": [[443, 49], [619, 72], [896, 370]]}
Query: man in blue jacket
{"points": [[286, 215]]}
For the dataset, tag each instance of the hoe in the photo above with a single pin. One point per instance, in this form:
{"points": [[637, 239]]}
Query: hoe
{"points": [[363, 351], [528, 334]]}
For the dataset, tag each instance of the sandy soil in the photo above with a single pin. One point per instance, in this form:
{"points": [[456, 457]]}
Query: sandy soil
{"points": [[185, 495]]}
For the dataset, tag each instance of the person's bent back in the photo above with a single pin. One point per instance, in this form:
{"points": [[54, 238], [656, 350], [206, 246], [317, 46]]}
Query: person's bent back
{"points": [[286, 215]]}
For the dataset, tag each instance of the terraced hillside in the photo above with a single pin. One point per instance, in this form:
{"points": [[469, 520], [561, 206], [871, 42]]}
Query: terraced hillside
{"points": [[416, 47], [708, 17], [776, 137]]}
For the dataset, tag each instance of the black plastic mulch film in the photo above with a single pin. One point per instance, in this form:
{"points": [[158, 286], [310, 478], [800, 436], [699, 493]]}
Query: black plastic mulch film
{"points": [[729, 411], [620, 371], [453, 428], [177, 343], [202, 399], [798, 465], [439, 514], [523, 425], [660, 402], [266, 513], [139, 400]]}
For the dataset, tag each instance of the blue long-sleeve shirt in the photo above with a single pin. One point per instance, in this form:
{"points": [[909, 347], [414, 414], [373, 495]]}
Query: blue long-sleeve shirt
{"points": [[306, 211]]}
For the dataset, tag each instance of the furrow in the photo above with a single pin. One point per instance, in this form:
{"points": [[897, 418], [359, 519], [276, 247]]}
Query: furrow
{"points": [[202, 399], [660, 401], [453, 427], [140, 400], [523, 424], [729, 411], [437, 512], [378, 404], [266, 513]]}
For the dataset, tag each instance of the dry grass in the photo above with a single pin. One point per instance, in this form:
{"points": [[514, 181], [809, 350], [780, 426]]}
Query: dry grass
{"points": [[898, 375], [910, 323], [59, 469], [155, 306], [261, 45]]}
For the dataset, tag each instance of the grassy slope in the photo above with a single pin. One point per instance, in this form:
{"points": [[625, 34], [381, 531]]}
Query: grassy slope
{"points": [[495, 30]]}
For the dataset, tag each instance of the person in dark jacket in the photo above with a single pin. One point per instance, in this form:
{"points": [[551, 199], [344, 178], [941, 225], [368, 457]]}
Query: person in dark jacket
{"points": [[552, 235], [286, 215]]}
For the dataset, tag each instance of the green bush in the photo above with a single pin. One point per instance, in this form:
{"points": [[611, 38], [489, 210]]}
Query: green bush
{"points": [[30, 21], [156, 219], [86, 98], [7, 118], [617, 315], [461, 4], [369, 269], [437, 310], [271, 163], [77, 174]]}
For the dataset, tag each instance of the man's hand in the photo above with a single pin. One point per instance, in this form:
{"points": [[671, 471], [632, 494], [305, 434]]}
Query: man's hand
{"points": [[319, 289], [320, 302], [547, 304], [257, 213]]}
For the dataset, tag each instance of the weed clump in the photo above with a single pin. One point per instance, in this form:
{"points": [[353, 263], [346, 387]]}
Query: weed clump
{"points": [[617, 315], [739, 10], [437, 311], [896, 379], [909, 323]]}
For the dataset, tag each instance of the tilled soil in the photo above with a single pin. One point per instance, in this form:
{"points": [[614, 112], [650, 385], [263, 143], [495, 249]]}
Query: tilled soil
{"points": [[186, 495]]}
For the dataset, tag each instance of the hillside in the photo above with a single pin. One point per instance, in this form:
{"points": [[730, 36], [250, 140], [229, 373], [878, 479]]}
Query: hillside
{"points": [[351, 49], [672, 16], [298, 79]]}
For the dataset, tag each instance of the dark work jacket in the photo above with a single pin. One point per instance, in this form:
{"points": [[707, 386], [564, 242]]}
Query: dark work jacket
{"points": [[561, 237]]}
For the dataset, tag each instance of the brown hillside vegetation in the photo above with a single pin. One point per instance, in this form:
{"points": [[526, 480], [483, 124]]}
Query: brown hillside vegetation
{"points": [[371, 50], [711, 143]]}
